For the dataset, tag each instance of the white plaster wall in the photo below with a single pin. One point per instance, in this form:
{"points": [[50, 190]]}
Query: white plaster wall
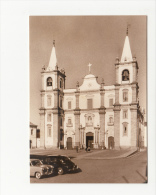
{"points": [[109, 95], [95, 98], [96, 119], [109, 130], [68, 98], [125, 140], [48, 140], [129, 95], [33, 136], [123, 67], [89, 84], [69, 115], [52, 100]]}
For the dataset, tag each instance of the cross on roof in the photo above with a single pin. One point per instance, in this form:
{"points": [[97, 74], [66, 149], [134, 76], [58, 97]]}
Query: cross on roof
{"points": [[89, 67]]}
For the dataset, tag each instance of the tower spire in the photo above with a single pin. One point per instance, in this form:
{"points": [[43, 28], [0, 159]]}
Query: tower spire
{"points": [[53, 59], [126, 53]]}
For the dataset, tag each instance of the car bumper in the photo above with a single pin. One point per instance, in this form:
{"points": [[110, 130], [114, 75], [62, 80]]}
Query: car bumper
{"points": [[75, 168]]}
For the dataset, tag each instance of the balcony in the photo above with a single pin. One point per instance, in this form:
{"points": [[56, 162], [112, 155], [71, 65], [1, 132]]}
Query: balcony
{"points": [[69, 124]]}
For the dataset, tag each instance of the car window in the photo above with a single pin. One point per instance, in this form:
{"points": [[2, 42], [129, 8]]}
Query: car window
{"points": [[36, 162], [53, 159]]}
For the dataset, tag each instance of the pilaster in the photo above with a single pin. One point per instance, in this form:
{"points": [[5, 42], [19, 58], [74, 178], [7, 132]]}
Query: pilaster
{"points": [[134, 126], [42, 128], [102, 126], [117, 126]]}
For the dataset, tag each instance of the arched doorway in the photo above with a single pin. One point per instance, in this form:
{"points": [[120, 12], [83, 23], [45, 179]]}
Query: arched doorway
{"points": [[69, 143], [89, 140], [110, 142]]}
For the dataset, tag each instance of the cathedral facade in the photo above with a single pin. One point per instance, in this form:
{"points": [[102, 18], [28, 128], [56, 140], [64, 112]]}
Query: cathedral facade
{"points": [[91, 115]]}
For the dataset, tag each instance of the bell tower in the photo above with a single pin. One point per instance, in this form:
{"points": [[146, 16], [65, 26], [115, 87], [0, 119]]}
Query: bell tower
{"points": [[51, 111], [126, 99]]}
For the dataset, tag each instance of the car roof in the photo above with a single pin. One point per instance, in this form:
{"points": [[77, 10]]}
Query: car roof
{"points": [[33, 159]]}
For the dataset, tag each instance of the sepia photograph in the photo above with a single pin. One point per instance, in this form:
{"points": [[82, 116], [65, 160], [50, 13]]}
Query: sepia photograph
{"points": [[88, 99]]}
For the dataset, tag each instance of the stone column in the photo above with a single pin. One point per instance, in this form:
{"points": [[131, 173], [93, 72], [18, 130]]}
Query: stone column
{"points": [[117, 74], [134, 93], [117, 118], [117, 127], [77, 120], [134, 65], [102, 125]]}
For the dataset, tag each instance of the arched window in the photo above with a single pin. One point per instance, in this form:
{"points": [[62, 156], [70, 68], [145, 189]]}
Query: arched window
{"points": [[125, 75], [49, 81], [125, 129]]}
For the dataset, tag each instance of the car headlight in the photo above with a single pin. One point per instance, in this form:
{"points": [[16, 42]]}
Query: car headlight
{"points": [[43, 169]]}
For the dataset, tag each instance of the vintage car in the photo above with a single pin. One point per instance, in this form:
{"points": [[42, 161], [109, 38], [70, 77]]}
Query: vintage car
{"points": [[38, 169], [65, 164], [61, 164]]}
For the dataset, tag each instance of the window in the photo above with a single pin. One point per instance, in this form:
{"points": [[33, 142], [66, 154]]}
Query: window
{"points": [[110, 119], [48, 101], [125, 95], [61, 83], [31, 131], [49, 131], [110, 102], [60, 102], [49, 117], [125, 75], [125, 114], [69, 121], [69, 105], [49, 81], [89, 103], [125, 129]]}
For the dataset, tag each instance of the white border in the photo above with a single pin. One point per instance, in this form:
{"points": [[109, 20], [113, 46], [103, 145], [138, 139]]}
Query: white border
{"points": [[15, 92]]}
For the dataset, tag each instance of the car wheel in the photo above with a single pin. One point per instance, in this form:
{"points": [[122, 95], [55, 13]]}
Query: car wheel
{"points": [[38, 175], [60, 171]]}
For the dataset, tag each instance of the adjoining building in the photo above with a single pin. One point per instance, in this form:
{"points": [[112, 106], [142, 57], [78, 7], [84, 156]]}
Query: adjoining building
{"points": [[92, 114], [33, 138]]}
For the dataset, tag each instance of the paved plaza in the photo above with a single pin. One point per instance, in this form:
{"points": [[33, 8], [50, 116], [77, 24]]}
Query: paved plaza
{"points": [[100, 166]]}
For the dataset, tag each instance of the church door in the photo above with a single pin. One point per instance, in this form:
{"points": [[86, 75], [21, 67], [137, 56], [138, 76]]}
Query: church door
{"points": [[69, 143], [110, 142], [89, 140]]}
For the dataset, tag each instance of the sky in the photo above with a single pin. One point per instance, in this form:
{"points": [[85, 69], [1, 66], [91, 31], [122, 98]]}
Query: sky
{"points": [[81, 40]]}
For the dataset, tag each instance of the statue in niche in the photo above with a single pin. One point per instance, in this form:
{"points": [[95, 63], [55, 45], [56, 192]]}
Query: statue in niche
{"points": [[89, 121]]}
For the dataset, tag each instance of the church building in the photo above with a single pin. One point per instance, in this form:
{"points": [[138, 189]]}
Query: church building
{"points": [[93, 114]]}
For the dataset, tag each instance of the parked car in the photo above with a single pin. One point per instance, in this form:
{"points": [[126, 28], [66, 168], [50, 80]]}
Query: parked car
{"points": [[46, 160], [38, 169], [65, 164]]}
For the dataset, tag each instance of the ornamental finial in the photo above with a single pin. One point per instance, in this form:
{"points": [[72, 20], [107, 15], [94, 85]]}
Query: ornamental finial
{"points": [[54, 43]]}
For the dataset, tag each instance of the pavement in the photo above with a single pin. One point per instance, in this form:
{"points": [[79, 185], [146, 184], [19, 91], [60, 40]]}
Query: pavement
{"points": [[93, 154]]}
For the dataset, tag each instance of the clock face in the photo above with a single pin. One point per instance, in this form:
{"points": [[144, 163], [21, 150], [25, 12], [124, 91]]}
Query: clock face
{"points": [[89, 85]]}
